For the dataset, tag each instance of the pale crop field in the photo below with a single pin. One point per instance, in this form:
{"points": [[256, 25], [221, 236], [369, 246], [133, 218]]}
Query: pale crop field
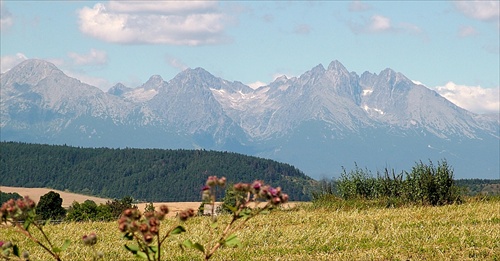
{"points": [[470, 231]]}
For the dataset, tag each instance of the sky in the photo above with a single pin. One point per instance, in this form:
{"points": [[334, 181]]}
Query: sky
{"points": [[449, 46]]}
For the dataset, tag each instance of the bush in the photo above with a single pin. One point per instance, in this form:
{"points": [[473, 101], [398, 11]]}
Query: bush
{"points": [[4, 197], [358, 183], [432, 185], [50, 206], [89, 211], [426, 184]]}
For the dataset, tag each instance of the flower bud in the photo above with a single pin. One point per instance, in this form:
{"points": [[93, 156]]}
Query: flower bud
{"points": [[148, 238], [123, 227], [183, 216], [164, 209], [154, 230], [127, 212], [238, 186], [143, 227], [256, 186], [153, 221], [222, 181], [211, 181], [21, 204], [284, 198], [90, 239], [273, 192]]}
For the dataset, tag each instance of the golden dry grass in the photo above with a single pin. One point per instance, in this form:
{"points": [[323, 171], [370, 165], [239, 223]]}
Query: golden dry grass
{"points": [[456, 232]]}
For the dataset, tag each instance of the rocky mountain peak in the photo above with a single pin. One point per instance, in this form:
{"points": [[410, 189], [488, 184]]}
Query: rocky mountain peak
{"points": [[337, 67], [390, 75], [31, 72], [154, 82]]}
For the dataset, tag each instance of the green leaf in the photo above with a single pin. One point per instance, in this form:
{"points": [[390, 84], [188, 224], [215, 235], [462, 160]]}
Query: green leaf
{"points": [[214, 225], [63, 247], [232, 241], [132, 248], [245, 213], [27, 224], [232, 208], [190, 244], [153, 249], [178, 230], [66, 244], [141, 255]]}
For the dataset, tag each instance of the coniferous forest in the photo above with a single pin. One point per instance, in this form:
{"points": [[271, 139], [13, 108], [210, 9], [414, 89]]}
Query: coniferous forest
{"points": [[144, 174]]}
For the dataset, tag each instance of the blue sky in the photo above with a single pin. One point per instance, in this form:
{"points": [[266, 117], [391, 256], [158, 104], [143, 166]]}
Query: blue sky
{"points": [[449, 46]]}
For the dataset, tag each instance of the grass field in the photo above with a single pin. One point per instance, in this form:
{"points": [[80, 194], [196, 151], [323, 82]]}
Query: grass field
{"points": [[470, 231]]}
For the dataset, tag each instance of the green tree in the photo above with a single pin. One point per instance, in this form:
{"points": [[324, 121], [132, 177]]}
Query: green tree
{"points": [[50, 206], [4, 197], [116, 207]]}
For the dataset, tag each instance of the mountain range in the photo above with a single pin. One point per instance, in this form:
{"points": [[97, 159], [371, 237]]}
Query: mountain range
{"points": [[320, 121]]}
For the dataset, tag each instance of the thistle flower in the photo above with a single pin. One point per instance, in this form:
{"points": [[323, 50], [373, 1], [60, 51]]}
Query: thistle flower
{"points": [[164, 209], [222, 181], [26, 254], [90, 239], [185, 214], [148, 238], [212, 181]]}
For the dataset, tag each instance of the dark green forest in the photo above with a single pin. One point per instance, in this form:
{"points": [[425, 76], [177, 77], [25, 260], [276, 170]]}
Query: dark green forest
{"points": [[144, 174]]}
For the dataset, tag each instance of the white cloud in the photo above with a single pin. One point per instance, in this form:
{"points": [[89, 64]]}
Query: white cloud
{"points": [[358, 6], [380, 23], [466, 31], [176, 62], [473, 98], [256, 85], [163, 7], [480, 9], [6, 19], [148, 22], [94, 57], [383, 24], [9, 61]]}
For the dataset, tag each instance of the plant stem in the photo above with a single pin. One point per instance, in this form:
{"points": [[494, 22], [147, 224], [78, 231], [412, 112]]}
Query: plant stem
{"points": [[28, 234]]}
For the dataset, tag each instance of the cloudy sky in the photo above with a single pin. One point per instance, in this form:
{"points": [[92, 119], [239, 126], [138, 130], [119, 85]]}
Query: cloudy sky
{"points": [[451, 47]]}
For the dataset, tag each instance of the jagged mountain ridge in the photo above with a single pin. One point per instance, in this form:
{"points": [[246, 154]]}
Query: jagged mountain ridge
{"points": [[333, 108]]}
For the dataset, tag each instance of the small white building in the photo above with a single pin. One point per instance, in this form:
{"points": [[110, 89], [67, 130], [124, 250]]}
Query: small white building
{"points": [[207, 209]]}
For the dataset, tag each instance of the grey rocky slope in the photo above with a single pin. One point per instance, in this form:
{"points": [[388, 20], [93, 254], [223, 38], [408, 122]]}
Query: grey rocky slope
{"points": [[324, 119]]}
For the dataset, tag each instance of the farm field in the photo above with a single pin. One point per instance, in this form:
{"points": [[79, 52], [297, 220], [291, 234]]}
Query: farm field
{"points": [[67, 197], [469, 231]]}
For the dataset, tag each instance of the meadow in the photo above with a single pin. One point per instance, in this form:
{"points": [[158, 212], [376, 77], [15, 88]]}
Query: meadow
{"points": [[468, 231]]}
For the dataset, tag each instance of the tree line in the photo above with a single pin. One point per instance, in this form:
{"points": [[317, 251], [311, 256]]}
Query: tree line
{"points": [[143, 174]]}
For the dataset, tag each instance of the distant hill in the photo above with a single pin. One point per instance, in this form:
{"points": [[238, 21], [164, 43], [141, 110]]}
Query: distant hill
{"points": [[144, 174]]}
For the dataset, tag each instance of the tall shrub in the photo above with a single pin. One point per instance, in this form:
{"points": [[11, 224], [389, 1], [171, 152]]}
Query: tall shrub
{"points": [[431, 185], [50, 206]]}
